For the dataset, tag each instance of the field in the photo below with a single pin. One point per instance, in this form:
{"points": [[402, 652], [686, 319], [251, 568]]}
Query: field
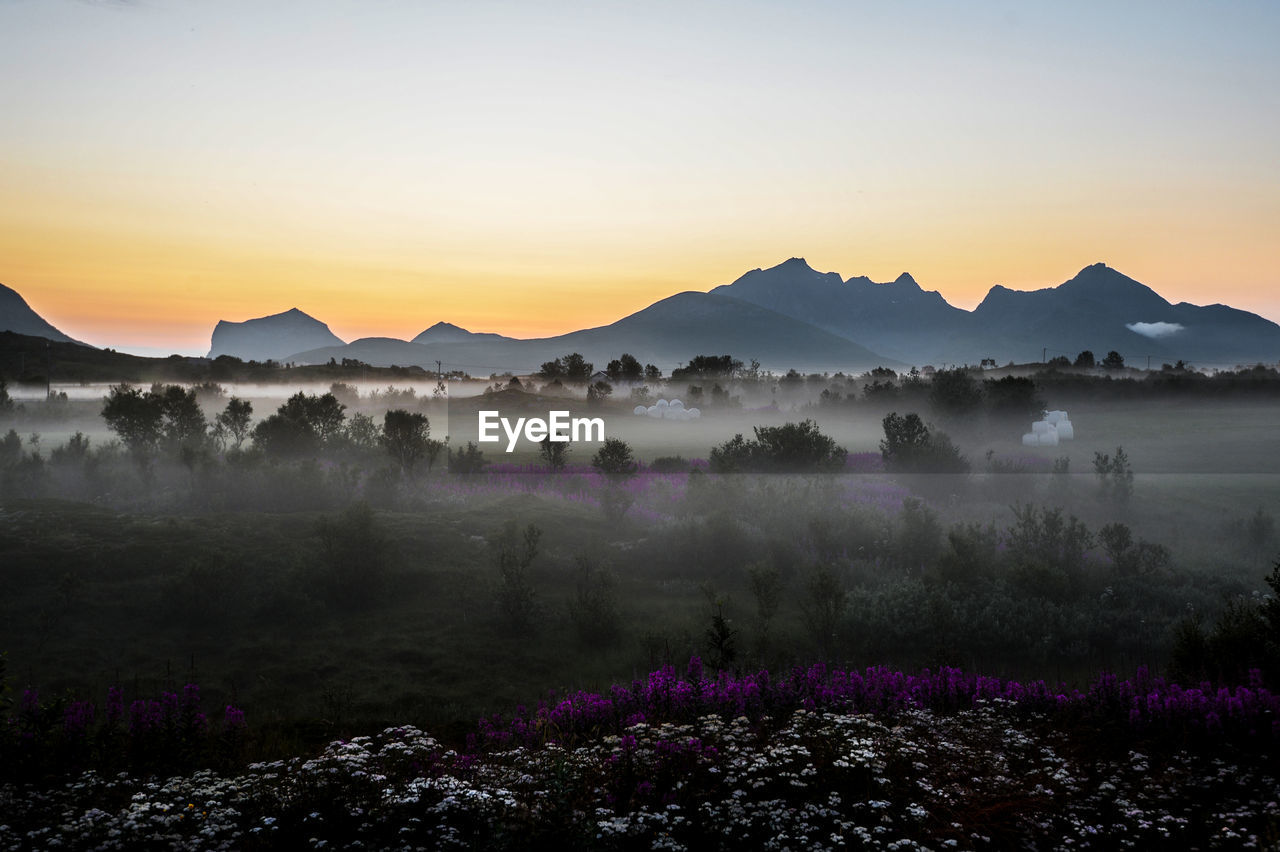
{"points": [[332, 595]]}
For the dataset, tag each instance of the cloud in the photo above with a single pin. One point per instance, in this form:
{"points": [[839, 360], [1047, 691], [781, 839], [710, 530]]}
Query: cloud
{"points": [[1155, 330]]}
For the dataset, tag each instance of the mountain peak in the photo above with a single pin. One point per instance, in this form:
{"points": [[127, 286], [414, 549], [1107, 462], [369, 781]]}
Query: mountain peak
{"points": [[906, 280], [19, 317], [271, 337]]}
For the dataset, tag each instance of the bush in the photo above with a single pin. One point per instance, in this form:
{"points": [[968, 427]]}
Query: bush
{"points": [[910, 447], [790, 448]]}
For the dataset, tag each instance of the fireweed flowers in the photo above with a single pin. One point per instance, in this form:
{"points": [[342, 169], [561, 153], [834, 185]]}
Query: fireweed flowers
{"points": [[811, 758]]}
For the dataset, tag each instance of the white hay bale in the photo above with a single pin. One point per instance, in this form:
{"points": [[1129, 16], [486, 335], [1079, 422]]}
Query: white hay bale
{"points": [[677, 414], [1031, 439], [694, 413], [1049, 439], [1066, 431], [1041, 426], [654, 411], [1055, 417], [640, 410], [675, 403], [662, 403]]}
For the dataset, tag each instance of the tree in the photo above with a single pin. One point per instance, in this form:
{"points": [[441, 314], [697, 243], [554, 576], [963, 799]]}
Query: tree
{"points": [[1115, 475], [790, 448], [554, 453], [1113, 361], [467, 461], [1013, 398], [708, 367], [6, 401], [323, 415], [909, 447], [1085, 359], [577, 368], [301, 425], [954, 393], [551, 370], [625, 369], [405, 435], [514, 553], [137, 418], [615, 459], [599, 392], [235, 418], [652, 373], [362, 432], [594, 606]]}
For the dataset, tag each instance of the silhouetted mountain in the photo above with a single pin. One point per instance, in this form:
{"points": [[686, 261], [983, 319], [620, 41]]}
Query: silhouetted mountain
{"points": [[1100, 308], [794, 316], [899, 318], [666, 333], [447, 332], [17, 316], [273, 337]]}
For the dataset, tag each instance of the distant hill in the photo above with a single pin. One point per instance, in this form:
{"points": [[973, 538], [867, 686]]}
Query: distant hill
{"points": [[17, 316], [447, 332], [274, 337], [667, 333]]}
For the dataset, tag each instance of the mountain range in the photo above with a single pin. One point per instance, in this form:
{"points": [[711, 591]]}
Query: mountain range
{"points": [[792, 315]]}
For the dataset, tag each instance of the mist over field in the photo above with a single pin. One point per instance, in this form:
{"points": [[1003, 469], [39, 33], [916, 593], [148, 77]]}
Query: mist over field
{"points": [[325, 559]]}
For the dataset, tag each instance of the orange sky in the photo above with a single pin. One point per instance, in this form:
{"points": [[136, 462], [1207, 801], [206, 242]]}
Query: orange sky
{"points": [[531, 172]]}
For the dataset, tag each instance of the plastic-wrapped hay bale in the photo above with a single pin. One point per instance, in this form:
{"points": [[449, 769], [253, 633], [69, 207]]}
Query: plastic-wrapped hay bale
{"points": [[1066, 431], [662, 403], [1048, 439], [694, 413], [675, 403], [1031, 439], [1055, 417], [677, 414], [1041, 426], [654, 411], [640, 410]]}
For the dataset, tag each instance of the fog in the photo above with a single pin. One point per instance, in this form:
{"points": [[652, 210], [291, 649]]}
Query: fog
{"points": [[332, 571]]}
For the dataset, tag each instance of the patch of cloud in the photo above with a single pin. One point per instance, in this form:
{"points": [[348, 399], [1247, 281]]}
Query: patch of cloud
{"points": [[1155, 330]]}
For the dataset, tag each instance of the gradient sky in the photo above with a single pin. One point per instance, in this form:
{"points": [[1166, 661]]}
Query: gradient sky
{"points": [[536, 167]]}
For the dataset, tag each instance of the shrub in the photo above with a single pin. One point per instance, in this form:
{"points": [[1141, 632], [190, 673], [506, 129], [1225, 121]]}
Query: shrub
{"points": [[910, 447]]}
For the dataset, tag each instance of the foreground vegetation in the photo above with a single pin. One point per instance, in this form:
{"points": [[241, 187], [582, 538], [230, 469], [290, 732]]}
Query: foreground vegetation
{"points": [[814, 758]]}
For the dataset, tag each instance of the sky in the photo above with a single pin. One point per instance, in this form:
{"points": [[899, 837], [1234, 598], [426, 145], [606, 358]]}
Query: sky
{"points": [[531, 168]]}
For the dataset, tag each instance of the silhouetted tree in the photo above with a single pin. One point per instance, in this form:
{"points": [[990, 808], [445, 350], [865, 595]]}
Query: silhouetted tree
{"points": [[554, 453], [1113, 361], [137, 418], [910, 447], [1085, 359], [615, 459], [625, 369], [405, 435], [234, 420], [954, 393]]}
